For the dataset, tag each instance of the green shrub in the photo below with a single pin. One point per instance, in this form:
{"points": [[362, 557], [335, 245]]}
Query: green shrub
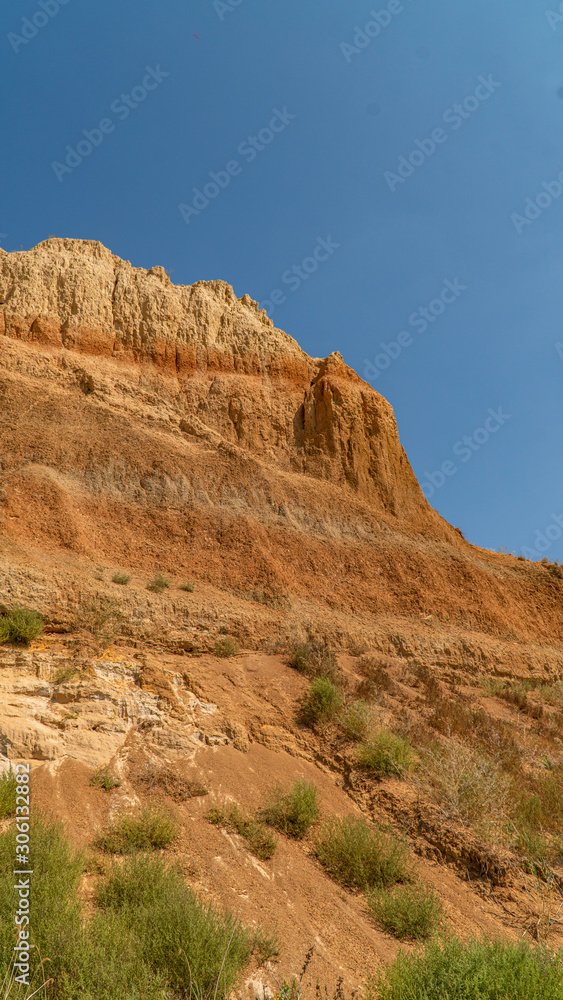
{"points": [[8, 794], [101, 778], [158, 584], [148, 935], [323, 702], [474, 970], [226, 647], [293, 811], [385, 753], [407, 911], [356, 719], [150, 828], [314, 659], [259, 840], [360, 855], [189, 587], [120, 578], [184, 940], [20, 625]]}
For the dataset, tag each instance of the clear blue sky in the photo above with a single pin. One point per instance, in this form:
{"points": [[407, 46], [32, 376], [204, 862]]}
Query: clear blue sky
{"points": [[360, 102]]}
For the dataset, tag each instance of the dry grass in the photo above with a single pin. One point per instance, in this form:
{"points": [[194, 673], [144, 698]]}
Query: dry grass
{"points": [[468, 784]]}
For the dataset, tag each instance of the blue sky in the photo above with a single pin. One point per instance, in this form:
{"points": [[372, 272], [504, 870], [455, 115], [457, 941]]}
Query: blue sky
{"points": [[349, 108]]}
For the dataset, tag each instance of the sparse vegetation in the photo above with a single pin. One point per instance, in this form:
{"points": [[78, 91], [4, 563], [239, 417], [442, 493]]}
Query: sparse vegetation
{"points": [[385, 753], [8, 794], [188, 587], [189, 944], [121, 578], [158, 584], [314, 659], [323, 702], [356, 719], [226, 647], [101, 616], [259, 840], [20, 625], [101, 778], [474, 970], [467, 783], [149, 828], [65, 674], [361, 856], [146, 934], [293, 811], [407, 911]]}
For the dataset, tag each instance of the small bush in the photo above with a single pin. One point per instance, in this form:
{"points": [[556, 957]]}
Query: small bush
{"points": [[188, 587], [8, 794], [356, 719], [148, 829], [121, 578], [360, 855], [474, 970], [193, 946], [66, 674], [260, 841], [20, 625], [467, 783], [158, 584], [292, 811], [407, 911], [226, 647], [314, 659], [323, 702], [385, 753], [101, 778]]}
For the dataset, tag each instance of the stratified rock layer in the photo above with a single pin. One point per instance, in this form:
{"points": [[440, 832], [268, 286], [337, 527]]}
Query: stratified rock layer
{"points": [[155, 426]]}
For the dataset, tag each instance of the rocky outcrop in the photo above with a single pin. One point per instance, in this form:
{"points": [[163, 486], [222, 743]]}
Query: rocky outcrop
{"points": [[147, 426], [232, 371]]}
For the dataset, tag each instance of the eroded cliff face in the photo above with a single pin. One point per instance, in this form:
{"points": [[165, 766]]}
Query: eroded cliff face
{"points": [[230, 371], [147, 426]]}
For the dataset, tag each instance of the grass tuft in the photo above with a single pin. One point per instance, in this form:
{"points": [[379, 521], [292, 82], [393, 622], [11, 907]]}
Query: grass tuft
{"points": [[20, 625], [121, 578], [474, 970], [259, 840], [293, 811], [356, 719], [150, 828], [101, 778], [188, 587], [226, 647], [314, 659], [8, 794], [158, 584], [385, 753], [407, 911], [323, 702], [361, 856]]}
